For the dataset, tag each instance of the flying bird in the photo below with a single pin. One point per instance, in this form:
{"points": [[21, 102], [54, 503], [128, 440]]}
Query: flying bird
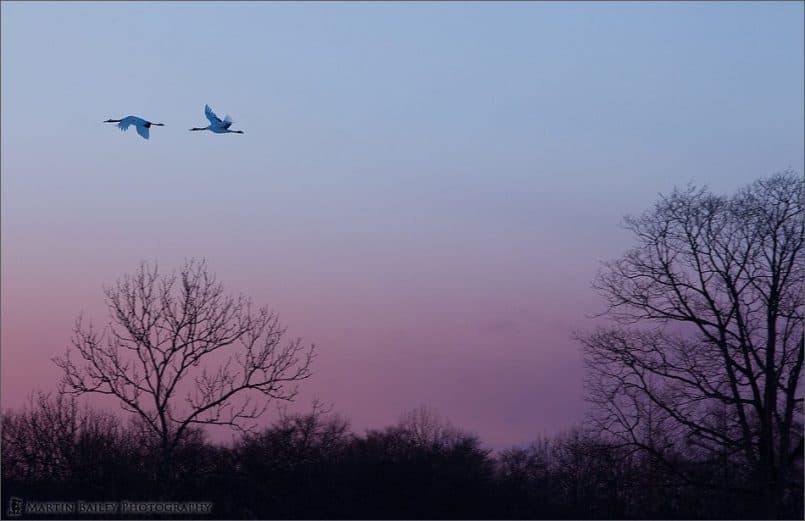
{"points": [[141, 124], [216, 124]]}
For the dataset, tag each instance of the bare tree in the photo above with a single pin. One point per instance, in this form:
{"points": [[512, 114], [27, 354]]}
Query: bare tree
{"points": [[720, 279], [425, 427], [51, 438], [179, 353]]}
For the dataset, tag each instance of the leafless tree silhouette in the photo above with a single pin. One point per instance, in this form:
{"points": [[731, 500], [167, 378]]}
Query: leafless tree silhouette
{"points": [[52, 438], [425, 427], [721, 281], [178, 352]]}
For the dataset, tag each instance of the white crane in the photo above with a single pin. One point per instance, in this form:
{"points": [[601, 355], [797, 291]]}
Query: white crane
{"points": [[141, 124], [216, 125]]}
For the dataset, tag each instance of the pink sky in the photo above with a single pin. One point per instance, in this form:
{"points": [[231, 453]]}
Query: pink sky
{"points": [[424, 190]]}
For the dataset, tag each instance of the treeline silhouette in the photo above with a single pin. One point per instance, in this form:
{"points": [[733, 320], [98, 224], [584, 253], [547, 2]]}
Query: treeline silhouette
{"points": [[313, 466], [694, 384]]}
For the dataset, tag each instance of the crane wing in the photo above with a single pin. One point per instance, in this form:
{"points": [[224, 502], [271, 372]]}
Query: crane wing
{"points": [[124, 123], [215, 120], [142, 130], [227, 122]]}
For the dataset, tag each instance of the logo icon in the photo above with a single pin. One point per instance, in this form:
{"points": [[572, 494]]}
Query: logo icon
{"points": [[14, 507]]}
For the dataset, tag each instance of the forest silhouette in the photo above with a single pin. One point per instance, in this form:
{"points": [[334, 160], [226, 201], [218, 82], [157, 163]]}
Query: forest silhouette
{"points": [[694, 388]]}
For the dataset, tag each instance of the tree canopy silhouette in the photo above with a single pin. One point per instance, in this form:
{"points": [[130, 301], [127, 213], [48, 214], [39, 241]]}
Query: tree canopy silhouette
{"points": [[719, 282], [179, 352]]}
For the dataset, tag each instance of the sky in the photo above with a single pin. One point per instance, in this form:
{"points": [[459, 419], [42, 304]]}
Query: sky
{"points": [[423, 190]]}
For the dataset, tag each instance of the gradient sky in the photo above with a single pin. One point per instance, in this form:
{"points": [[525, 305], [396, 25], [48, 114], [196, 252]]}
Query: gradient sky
{"points": [[424, 190]]}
